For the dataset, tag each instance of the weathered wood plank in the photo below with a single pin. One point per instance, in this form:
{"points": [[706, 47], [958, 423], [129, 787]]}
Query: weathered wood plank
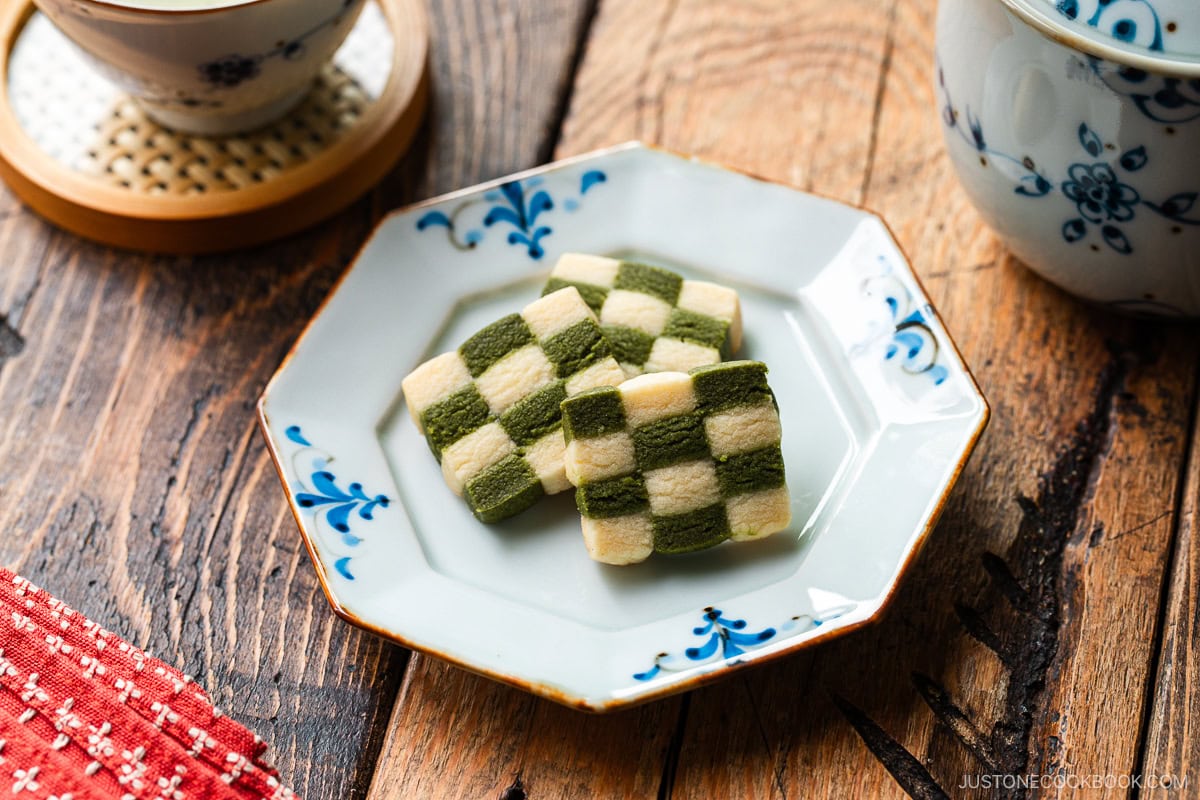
{"points": [[1089, 428], [133, 482], [501, 73], [780, 89], [1172, 748], [456, 735]]}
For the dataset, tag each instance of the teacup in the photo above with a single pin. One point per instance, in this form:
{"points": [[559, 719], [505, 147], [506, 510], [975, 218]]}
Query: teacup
{"points": [[1074, 126], [208, 66]]}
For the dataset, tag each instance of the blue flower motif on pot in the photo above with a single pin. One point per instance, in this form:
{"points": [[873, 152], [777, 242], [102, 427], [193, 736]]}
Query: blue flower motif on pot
{"points": [[1100, 197], [1104, 197], [1160, 98], [1094, 188]]}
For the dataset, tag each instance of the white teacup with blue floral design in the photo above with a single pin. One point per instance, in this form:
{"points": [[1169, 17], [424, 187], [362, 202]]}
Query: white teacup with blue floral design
{"points": [[208, 66], [1074, 126]]}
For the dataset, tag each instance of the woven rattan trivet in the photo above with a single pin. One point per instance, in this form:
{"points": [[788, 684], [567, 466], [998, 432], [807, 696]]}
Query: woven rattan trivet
{"points": [[82, 154]]}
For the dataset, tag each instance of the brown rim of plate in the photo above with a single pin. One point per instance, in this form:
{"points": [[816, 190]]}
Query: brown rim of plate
{"points": [[549, 691], [1068, 35]]}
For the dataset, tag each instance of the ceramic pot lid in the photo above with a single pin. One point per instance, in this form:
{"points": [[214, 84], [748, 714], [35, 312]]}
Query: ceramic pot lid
{"points": [[1155, 28]]}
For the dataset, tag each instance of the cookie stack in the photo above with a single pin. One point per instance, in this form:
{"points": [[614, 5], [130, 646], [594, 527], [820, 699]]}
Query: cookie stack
{"points": [[612, 383]]}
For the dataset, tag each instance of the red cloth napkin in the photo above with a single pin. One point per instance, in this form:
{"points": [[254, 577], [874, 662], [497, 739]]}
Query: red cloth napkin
{"points": [[84, 715]]}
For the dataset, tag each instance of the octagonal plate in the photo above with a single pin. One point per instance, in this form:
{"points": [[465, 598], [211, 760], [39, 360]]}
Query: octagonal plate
{"points": [[879, 415]]}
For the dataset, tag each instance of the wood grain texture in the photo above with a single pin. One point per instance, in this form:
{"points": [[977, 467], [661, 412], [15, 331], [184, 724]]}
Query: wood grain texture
{"points": [[502, 71], [786, 90], [1173, 728], [456, 735], [1011, 645], [133, 482]]}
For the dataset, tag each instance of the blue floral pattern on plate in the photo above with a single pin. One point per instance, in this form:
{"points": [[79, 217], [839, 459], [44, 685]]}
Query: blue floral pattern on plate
{"points": [[912, 344], [517, 205], [901, 330], [726, 638], [332, 507]]}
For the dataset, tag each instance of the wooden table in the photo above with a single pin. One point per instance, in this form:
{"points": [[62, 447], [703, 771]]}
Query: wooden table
{"points": [[1049, 626]]}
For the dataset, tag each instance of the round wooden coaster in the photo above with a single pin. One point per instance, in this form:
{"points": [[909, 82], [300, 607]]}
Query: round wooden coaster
{"points": [[82, 154]]}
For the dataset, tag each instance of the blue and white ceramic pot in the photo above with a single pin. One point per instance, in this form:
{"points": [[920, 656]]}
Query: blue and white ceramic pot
{"points": [[1074, 126]]}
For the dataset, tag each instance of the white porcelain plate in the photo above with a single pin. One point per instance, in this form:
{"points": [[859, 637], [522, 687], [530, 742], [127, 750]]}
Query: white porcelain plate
{"points": [[879, 414]]}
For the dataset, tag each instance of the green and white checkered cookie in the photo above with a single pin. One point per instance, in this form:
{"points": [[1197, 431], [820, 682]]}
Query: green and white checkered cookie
{"points": [[490, 410], [654, 320], [672, 463]]}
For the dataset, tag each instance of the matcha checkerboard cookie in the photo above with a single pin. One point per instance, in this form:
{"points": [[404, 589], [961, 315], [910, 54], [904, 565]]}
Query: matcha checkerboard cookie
{"points": [[490, 410], [654, 320], [671, 463]]}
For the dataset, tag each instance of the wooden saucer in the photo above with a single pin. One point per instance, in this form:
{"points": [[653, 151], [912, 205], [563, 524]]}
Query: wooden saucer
{"points": [[83, 154]]}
